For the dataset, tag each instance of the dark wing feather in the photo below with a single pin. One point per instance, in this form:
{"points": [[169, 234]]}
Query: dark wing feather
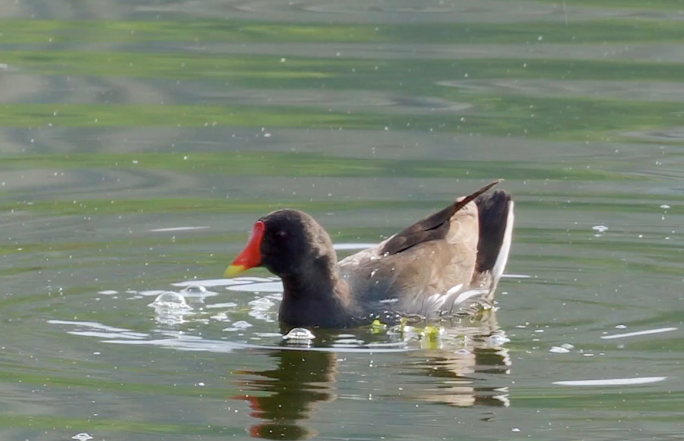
{"points": [[433, 227]]}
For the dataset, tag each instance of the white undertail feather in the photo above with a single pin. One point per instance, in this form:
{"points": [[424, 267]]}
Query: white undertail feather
{"points": [[490, 278], [465, 295], [454, 289], [436, 301], [502, 258]]}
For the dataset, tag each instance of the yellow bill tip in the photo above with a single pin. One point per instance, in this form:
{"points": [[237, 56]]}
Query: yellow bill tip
{"points": [[234, 270]]}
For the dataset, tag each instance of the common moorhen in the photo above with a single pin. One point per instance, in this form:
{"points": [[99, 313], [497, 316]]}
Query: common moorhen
{"points": [[452, 258]]}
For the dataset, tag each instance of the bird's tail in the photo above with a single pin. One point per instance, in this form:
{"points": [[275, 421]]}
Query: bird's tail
{"points": [[495, 210]]}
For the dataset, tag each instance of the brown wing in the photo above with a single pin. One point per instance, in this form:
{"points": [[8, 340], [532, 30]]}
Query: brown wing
{"points": [[433, 227]]}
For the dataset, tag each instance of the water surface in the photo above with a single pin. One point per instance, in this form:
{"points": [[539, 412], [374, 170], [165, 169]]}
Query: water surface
{"points": [[140, 140]]}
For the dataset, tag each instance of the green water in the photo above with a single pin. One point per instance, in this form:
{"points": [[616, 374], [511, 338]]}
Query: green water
{"points": [[140, 140]]}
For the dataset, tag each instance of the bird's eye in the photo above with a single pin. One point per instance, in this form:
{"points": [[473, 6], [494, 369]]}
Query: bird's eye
{"points": [[280, 234]]}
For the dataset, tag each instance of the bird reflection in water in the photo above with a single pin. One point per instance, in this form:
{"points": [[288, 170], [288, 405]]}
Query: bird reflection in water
{"points": [[289, 393], [460, 369], [466, 370]]}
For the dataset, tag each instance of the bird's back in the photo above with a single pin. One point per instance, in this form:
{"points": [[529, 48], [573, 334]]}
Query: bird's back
{"points": [[429, 268]]}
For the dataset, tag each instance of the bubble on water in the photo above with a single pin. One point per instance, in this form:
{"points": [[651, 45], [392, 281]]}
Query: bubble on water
{"points": [[195, 288], [498, 340], [665, 207], [262, 303], [567, 346], [170, 301], [559, 350], [262, 309], [82, 436], [299, 334], [239, 326]]}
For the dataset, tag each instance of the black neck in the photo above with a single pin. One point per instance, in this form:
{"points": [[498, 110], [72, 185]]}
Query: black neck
{"points": [[315, 296]]}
